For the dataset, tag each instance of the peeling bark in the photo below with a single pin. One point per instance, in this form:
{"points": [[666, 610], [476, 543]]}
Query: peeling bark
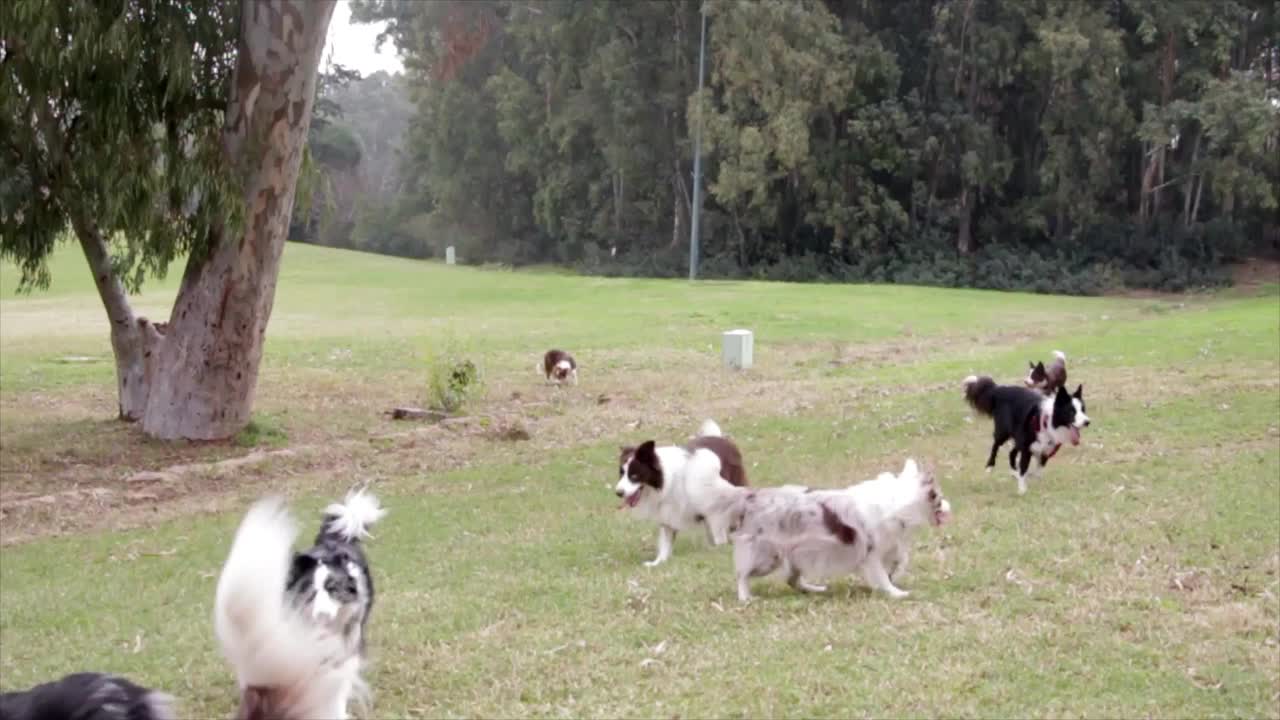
{"points": [[206, 369]]}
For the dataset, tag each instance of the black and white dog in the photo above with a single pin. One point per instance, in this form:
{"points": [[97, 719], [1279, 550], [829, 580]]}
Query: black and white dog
{"points": [[1048, 380], [87, 696], [292, 625], [679, 487], [1038, 425]]}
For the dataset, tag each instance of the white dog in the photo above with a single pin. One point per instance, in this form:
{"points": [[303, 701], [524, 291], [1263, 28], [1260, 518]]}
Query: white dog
{"points": [[816, 534], [679, 487]]}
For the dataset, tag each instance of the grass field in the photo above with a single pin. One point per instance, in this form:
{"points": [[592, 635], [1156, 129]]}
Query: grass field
{"points": [[1140, 577]]}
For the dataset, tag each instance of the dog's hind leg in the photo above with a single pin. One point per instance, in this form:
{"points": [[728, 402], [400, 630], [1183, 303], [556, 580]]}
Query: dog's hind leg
{"points": [[1013, 470], [1000, 439], [874, 573], [666, 540], [898, 558], [1023, 464], [798, 583]]}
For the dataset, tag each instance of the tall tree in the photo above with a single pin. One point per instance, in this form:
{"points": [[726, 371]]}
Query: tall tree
{"points": [[955, 141], [155, 128]]}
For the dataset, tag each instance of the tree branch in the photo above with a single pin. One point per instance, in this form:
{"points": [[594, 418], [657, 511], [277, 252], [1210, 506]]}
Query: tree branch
{"points": [[114, 298], [110, 289]]}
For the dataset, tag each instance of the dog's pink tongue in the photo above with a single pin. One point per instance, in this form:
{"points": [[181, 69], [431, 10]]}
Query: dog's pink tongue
{"points": [[1075, 436]]}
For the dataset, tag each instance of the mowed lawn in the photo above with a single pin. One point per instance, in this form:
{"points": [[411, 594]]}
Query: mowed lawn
{"points": [[1140, 577]]}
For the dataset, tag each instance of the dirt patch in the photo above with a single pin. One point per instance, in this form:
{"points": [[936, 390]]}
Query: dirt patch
{"points": [[341, 437]]}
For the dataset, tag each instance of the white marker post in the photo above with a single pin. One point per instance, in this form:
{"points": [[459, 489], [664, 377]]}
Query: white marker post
{"points": [[738, 349], [449, 257]]}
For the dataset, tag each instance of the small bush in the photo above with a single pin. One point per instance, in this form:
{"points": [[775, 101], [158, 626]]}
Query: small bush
{"points": [[453, 379], [262, 430]]}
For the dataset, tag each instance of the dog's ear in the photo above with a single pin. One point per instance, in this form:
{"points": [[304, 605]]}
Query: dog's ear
{"points": [[910, 468], [1031, 365], [647, 453], [303, 564], [1079, 393]]}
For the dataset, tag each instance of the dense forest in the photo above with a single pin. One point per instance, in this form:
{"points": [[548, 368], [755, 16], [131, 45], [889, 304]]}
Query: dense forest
{"points": [[1055, 145]]}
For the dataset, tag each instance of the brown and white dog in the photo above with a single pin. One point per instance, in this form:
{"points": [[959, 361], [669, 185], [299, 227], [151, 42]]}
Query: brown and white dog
{"points": [[558, 367], [679, 487], [1048, 380], [810, 535]]}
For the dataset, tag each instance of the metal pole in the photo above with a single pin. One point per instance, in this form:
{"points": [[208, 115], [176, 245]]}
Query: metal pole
{"points": [[695, 223]]}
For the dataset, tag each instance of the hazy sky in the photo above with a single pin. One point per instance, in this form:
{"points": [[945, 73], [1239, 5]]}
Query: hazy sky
{"points": [[352, 44]]}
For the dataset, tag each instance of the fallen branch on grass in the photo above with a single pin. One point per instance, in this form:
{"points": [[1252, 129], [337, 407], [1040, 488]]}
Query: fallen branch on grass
{"points": [[413, 413]]}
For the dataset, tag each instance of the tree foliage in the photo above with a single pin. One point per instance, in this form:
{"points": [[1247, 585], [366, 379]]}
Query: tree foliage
{"points": [[152, 129], [124, 94], [1048, 144], [350, 197]]}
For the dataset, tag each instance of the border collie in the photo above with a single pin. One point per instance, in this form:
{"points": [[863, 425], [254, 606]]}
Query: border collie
{"points": [[293, 625], [1038, 425], [1048, 380], [87, 696], [811, 535], [558, 366], [680, 486]]}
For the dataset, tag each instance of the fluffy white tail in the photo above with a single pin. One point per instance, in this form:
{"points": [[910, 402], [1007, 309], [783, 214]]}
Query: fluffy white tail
{"points": [[267, 643], [1060, 355], [353, 517], [709, 428]]}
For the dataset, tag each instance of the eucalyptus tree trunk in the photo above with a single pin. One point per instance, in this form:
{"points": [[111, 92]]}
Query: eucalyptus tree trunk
{"points": [[133, 338], [204, 368]]}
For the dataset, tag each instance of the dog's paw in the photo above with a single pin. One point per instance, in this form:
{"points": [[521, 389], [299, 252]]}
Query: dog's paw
{"points": [[988, 469], [897, 594], [653, 563]]}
